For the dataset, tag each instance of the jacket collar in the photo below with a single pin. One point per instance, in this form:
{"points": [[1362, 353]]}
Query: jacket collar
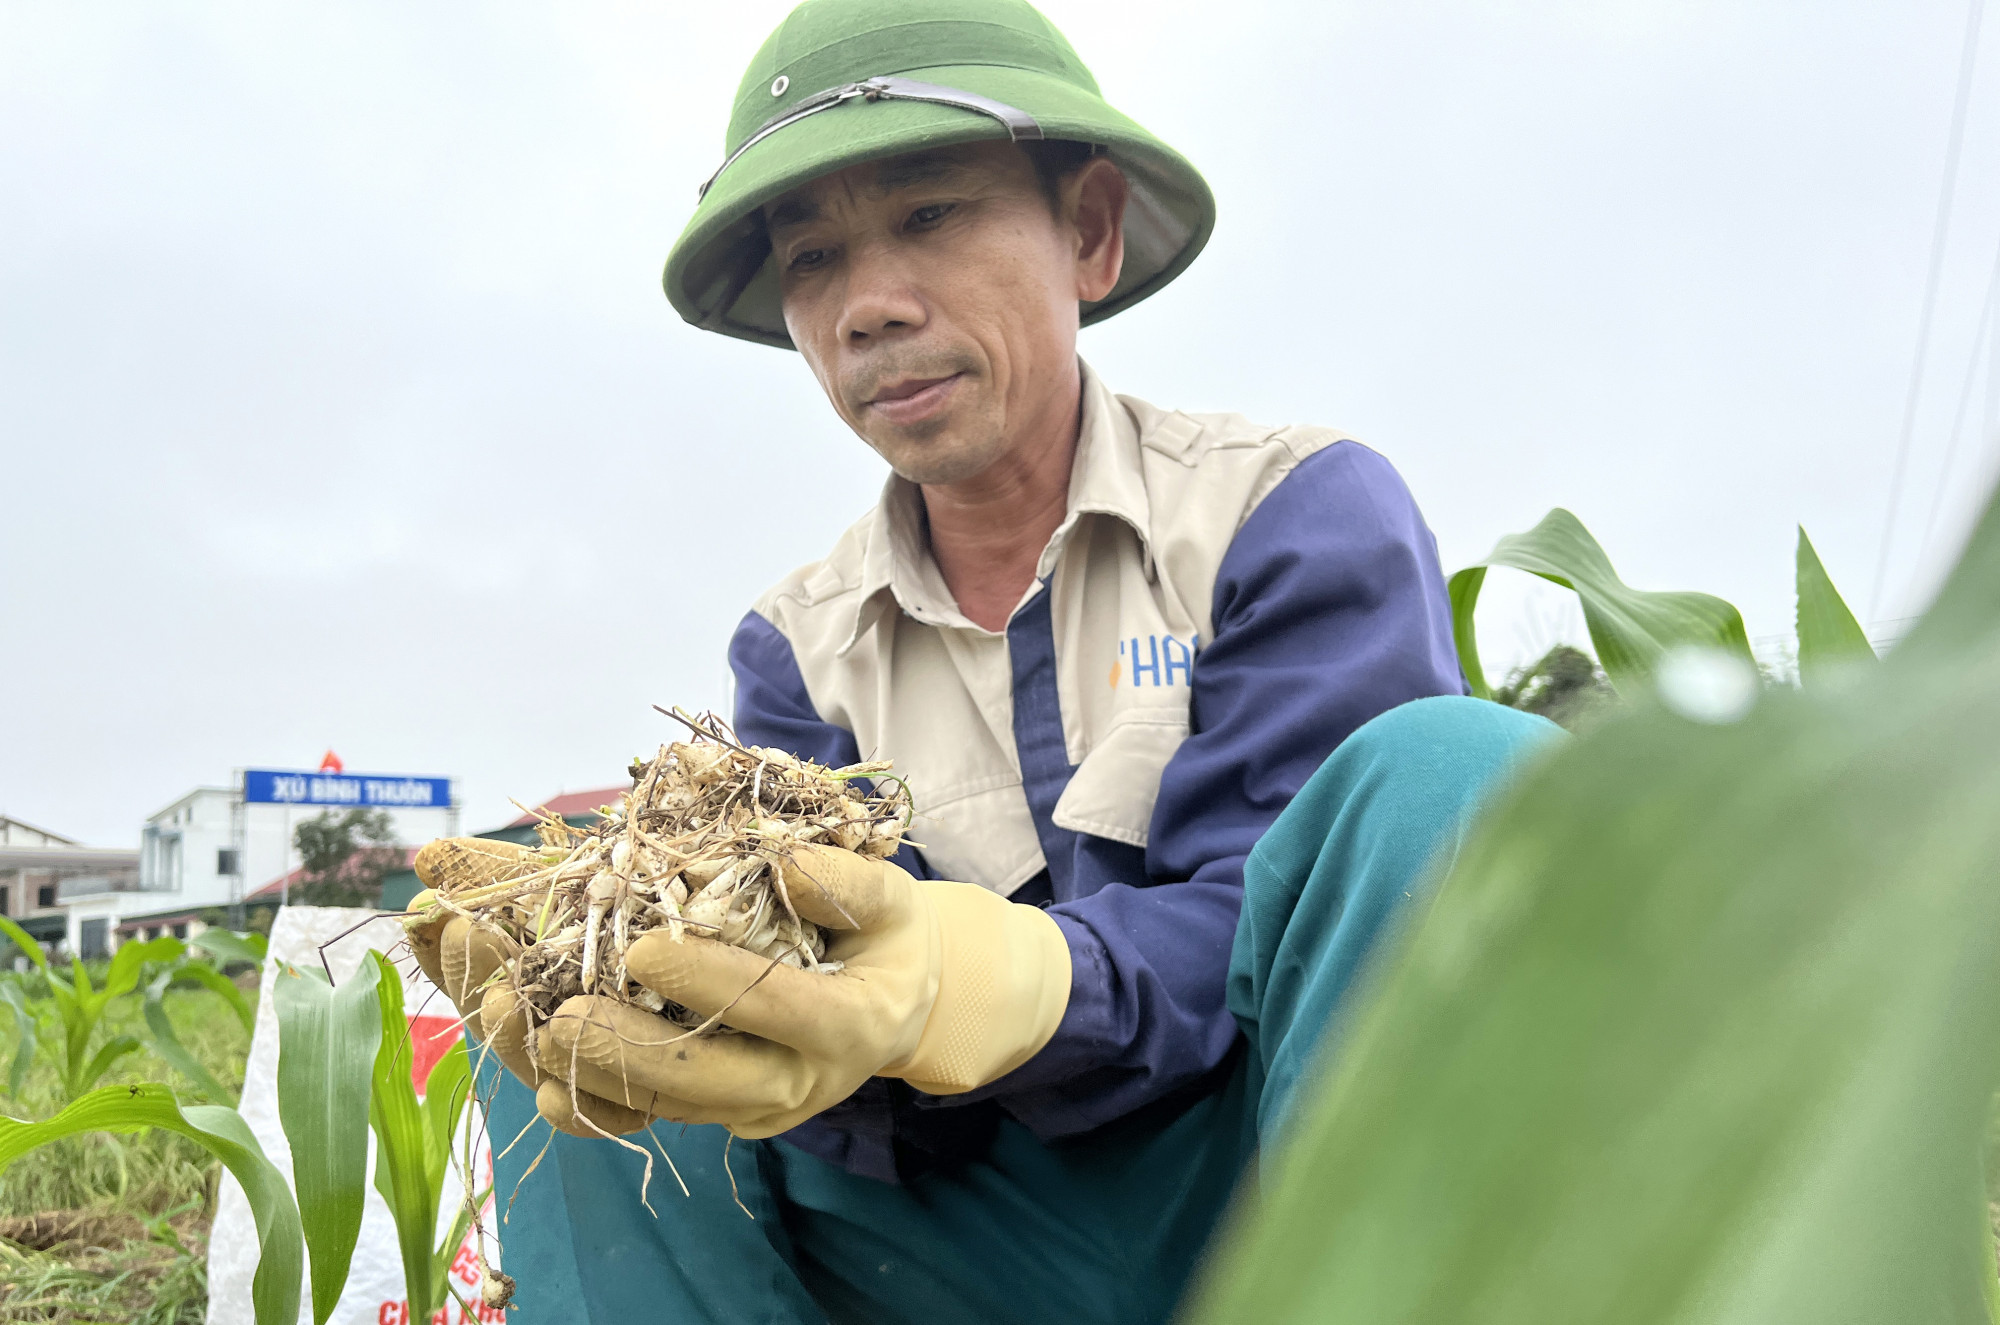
{"points": [[1105, 479]]}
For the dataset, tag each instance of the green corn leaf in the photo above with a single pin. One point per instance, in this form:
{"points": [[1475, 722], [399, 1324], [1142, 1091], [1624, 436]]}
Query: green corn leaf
{"points": [[79, 1013], [1630, 628], [1703, 1025], [61, 992], [1830, 639], [107, 1054], [274, 1292], [328, 1041], [129, 962], [85, 1008], [404, 1163], [445, 1094], [77, 1022], [1966, 614], [228, 947], [447, 1250], [26, 1032], [203, 974], [166, 1042], [29, 948], [1463, 589]]}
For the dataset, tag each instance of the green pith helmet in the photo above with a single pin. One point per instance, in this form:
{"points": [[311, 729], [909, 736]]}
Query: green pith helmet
{"points": [[845, 81]]}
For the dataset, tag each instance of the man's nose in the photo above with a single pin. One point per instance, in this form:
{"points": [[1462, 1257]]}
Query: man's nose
{"points": [[881, 300]]}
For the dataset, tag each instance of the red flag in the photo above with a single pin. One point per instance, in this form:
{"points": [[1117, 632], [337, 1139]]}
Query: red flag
{"points": [[331, 764]]}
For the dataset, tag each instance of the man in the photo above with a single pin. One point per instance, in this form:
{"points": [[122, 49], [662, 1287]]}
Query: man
{"points": [[1108, 644]]}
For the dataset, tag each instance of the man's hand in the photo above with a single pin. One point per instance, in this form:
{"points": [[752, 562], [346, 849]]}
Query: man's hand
{"points": [[461, 957], [945, 985]]}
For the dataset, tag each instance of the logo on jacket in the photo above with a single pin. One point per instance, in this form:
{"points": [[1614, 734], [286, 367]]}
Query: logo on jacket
{"points": [[1158, 660]]}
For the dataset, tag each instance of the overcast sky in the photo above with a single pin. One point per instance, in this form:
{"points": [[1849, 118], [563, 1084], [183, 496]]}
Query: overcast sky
{"points": [[340, 407]]}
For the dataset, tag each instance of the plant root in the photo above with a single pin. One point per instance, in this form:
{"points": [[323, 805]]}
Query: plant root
{"points": [[697, 846]]}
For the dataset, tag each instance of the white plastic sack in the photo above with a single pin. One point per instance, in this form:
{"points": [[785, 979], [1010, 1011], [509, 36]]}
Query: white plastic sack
{"points": [[374, 1294]]}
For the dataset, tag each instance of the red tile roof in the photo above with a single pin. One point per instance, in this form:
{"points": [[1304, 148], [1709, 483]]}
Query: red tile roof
{"points": [[576, 804], [276, 887]]}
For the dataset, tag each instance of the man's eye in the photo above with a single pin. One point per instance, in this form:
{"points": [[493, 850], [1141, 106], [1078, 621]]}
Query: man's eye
{"points": [[807, 259], [930, 214]]}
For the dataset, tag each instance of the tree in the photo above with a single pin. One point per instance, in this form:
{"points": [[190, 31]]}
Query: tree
{"points": [[1565, 686], [343, 856]]}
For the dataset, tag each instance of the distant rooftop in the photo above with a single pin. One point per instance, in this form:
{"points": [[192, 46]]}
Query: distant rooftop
{"points": [[14, 833], [78, 870], [297, 877], [576, 804]]}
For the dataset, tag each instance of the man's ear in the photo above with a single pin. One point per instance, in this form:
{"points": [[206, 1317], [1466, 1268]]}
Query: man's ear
{"points": [[1094, 198]]}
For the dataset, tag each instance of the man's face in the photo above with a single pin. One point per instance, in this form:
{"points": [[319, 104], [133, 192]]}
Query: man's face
{"points": [[935, 297]]}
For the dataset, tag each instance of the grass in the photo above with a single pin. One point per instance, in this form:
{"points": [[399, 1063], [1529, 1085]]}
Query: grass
{"points": [[114, 1228], [106, 1268]]}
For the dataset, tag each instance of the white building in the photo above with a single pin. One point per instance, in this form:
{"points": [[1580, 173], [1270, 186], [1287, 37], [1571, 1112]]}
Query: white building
{"points": [[195, 856], [187, 862], [37, 868]]}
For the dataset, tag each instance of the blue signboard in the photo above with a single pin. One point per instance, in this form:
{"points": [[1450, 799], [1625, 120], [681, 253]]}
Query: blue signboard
{"points": [[273, 786]]}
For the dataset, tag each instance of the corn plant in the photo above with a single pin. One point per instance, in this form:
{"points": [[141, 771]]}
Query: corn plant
{"points": [[78, 1007], [413, 1146], [1630, 628], [1633, 629], [344, 1066], [230, 948], [222, 1132], [328, 1041], [1703, 1024]]}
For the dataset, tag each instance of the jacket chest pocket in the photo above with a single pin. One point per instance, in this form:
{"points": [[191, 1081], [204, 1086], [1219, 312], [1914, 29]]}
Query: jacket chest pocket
{"points": [[1112, 792], [983, 834]]}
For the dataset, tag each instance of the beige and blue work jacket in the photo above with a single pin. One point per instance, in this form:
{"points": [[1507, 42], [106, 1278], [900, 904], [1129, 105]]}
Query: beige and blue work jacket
{"points": [[1223, 603]]}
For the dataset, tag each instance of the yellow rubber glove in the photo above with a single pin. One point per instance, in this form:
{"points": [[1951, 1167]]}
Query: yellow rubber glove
{"points": [[460, 958], [945, 985]]}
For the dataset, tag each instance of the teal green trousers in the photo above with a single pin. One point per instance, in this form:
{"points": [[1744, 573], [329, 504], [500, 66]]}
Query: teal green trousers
{"points": [[1107, 1227]]}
